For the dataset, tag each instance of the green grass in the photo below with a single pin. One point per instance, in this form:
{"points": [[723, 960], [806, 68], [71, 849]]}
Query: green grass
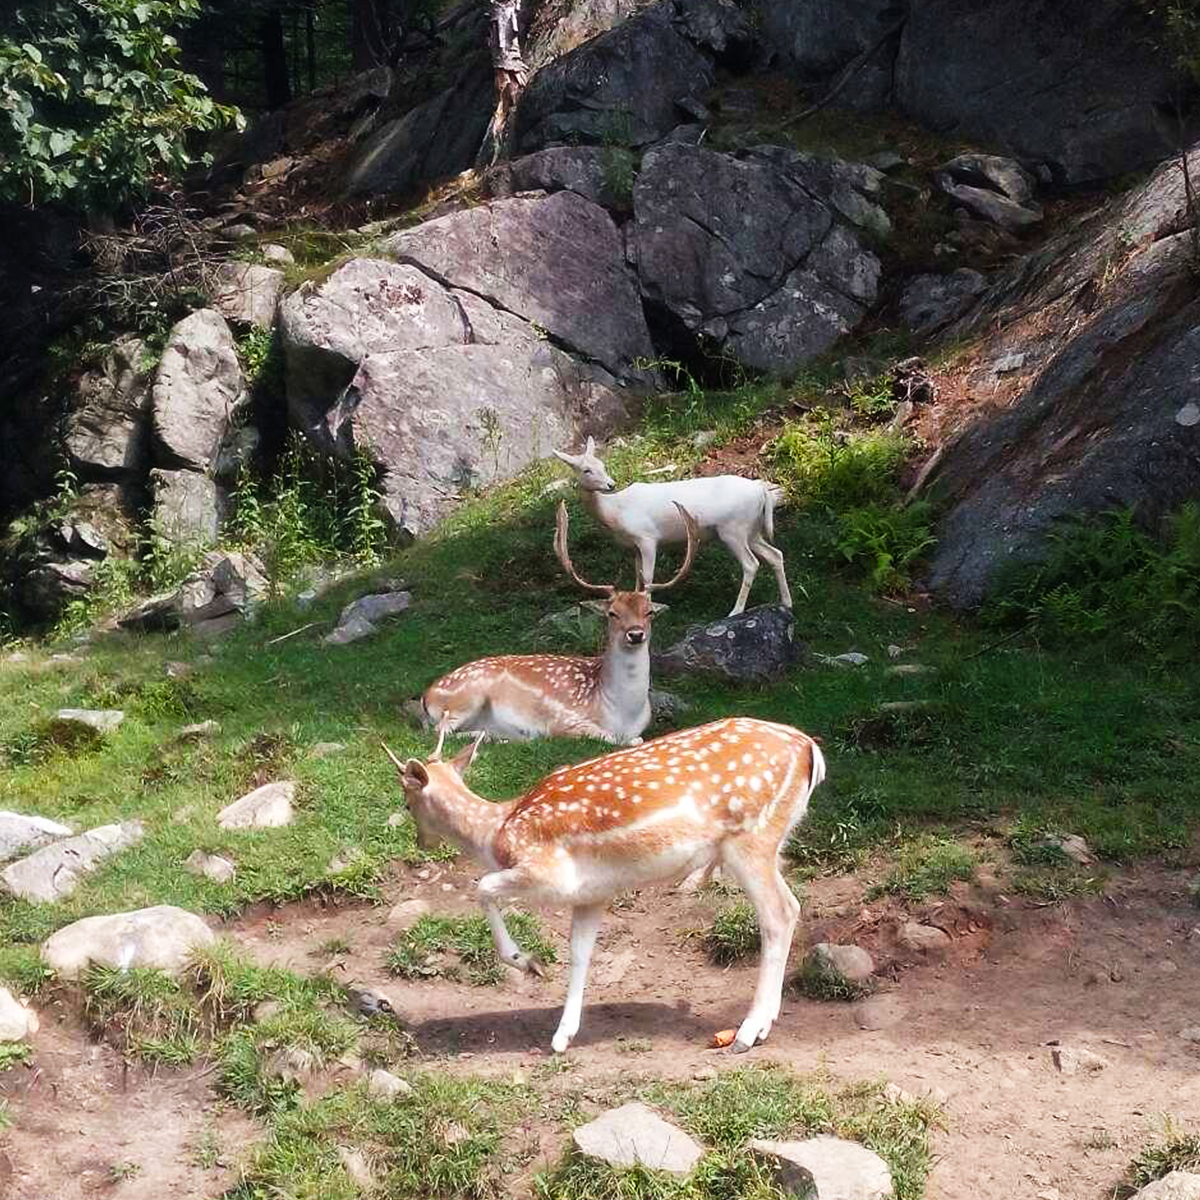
{"points": [[734, 933], [14, 1054], [422, 950], [820, 980], [1176, 1150], [927, 866], [145, 1012]]}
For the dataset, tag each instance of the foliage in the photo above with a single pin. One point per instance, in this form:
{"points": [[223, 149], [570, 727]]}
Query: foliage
{"points": [[888, 540], [1176, 1150], [14, 1054], [734, 934], [927, 865], [418, 949], [145, 1012], [1109, 578], [826, 467], [96, 105]]}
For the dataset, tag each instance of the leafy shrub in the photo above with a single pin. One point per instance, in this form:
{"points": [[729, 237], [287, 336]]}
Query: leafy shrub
{"points": [[827, 467], [887, 540], [1108, 577], [1176, 1151]]}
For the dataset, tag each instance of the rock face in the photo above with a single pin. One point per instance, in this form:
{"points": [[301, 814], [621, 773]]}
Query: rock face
{"points": [[226, 583], [106, 434], [266, 807], [758, 644], [247, 293], [20, 833], [446, 388], [760, 255], [1090, 351], [163, 936], [57, 870], [634, 1135], [602, 174], [832, 1168], [931, 302], [186, 505]]}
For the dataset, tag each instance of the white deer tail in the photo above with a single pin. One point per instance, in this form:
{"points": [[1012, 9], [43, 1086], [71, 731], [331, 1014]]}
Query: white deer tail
{"points": [[773, 496]]}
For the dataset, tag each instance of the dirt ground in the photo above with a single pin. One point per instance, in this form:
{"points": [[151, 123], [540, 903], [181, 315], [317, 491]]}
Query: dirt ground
{"points": [[1117, 974]]}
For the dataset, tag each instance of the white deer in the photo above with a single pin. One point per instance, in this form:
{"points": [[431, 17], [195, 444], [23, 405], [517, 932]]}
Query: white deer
{"points": [[723, 794], [559, 695], [741, 512]]}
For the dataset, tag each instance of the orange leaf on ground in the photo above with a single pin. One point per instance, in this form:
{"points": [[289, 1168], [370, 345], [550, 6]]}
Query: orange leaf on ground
{"points": [[724, 1038]]}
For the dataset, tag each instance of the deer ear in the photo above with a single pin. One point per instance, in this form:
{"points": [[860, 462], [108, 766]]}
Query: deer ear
{"points": [[600, 606], [656, 608], [563, 456], [415, 775], [465, 757], [591, 446]]}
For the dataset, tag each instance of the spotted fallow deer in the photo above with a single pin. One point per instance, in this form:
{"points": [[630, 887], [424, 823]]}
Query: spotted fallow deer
{"points": [[741, 512], [723, 794], [558, 695]]}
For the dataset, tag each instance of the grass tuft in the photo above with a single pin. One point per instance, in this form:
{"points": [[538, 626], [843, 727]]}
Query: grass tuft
{"points": [[734, 934], [1176, 1150], [927, 866], [422, 951]]}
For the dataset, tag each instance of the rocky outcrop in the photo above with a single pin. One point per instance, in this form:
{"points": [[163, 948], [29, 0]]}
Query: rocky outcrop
{"points": [[247, 293], [227, 584], [602, 174], [1087, 356], [471, 358], [106, 434], [931, 302], [759, 255]]}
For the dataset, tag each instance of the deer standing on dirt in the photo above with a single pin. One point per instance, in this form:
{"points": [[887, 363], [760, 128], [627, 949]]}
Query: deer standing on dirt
{"points": [[741, 512], [558, 695], [725, 794]]}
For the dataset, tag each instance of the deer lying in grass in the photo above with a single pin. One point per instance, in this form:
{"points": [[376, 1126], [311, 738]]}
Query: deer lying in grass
{"points": [[728, 793], [558, 695], [741, 512]]}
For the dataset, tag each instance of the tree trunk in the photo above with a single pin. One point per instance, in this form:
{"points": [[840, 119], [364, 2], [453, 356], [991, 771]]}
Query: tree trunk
{"points": [[274, 58], [310, 38], [366, 35]]}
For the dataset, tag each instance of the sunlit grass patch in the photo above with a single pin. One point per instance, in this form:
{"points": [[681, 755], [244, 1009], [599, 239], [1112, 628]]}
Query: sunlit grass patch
{"points": [[435, 946]]}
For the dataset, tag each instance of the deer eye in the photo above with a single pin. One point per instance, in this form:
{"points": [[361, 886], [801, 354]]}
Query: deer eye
{"points": [[612, 612]]}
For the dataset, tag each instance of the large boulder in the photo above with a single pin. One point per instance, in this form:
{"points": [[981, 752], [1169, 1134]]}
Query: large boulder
{"points": [[1084, 373], [602, 174], [1072, 84], [187, 506], [19, 833], [106, 433], [451, 370], [247, 293], [1178, 1185], [827, 1168], [164, 937], [226, 583], [624, 86], [198, 389], [636, 1136], [57, 870], [760, 255], [756, 645]]}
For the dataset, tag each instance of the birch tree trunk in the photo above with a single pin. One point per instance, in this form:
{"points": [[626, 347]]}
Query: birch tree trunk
{"points": [[511, 73]]}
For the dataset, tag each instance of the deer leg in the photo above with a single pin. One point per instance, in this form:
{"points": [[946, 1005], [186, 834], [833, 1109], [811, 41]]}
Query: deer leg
{"points": [[760, 880], [771, 554], [585, 924], [740, 549], [492, 888], [647, 551]]}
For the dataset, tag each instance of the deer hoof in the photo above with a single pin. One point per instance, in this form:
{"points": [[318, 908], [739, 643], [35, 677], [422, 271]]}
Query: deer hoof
{"points": [[740, 1047], [559, 1043]]}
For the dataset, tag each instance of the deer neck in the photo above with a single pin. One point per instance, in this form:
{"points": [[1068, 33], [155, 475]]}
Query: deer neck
{"points": [[469, 821], [624, 683], [600, 505]]}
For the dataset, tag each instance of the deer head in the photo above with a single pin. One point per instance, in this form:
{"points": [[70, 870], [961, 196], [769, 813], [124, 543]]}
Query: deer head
{"points": [[629, 613], [589, 470], [434, 789]]}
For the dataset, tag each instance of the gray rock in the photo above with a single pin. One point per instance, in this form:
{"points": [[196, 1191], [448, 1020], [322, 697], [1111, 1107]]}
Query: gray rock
{"points": [[267, 807], [375, 607], [1072, 846], [931, 302], [835, 1168], [1178, 1185], [247, 293], [96, 720], [758, 255], [186, 506], [357, 1165], [1191, 1034], [887, 161], [852, 658], [211, 866], [325, 749], [20, 833], [197, 390], [443, 389], [634, 1135], [601, 174], [1071, 1060], [992, 206], [227, 582], [238, 231], [557, 261], [924, 939], [57, 870], [198, 731], [667, 706], [1090, 120], [1090, 424], [908, 669], [408, 912], [852, 963], [383, 1085], [755, 645], [274, 253], [353, 630], [991, 172], [620, 87], [106, 436]]}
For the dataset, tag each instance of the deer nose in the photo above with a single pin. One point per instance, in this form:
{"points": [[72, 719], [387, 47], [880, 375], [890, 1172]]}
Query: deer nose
{"points": [[635, 637]]}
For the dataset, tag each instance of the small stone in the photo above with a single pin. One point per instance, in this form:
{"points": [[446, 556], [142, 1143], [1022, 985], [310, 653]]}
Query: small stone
{"points": [[667, 706], [704, 438], [178, 670], [878, 1012], [99, 721], [275, 253], [1178, 1185], [212, 866], [852, 963], [354, 630], [1073, 846], [1191, 1034], [832, 1167], [887, 161], [851, 659], [904, 706], [17, 1020], [925, 939], [704, 1074], [292, 1064], [397, 819], [374, 608], [895, 651], [1071, 1060], [163, 936], [408, 912], [1188, 415], [634, 1135], [265, 1010], [267, 807], [202, 729], [383, 1085], [325, 749], [1007, 363], [239, 232]]}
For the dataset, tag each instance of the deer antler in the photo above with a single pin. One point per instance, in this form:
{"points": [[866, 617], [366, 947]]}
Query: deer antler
{"points": [[693, 538], [560, 548], [395, 761]]}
